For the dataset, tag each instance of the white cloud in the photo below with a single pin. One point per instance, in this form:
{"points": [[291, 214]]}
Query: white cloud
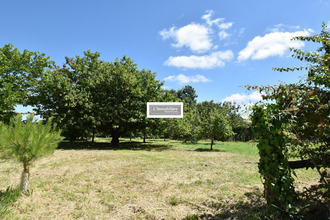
{"points": [[198, 37], [243, 98], [223, 35], [272, 44], [194, 36], [182, 79], [218, 21], [166, 87], [241, 32], [216, 59], [283, 28], [168, 33], [245, 101], [226, 25], [209, 21]]}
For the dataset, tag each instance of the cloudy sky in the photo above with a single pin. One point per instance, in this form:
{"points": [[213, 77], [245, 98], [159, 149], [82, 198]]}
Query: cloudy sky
{"points": [[216, 46]]}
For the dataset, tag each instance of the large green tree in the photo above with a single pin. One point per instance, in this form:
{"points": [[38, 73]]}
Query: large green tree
{"points": [[19, 73], [150, 91], [89, 95], [67, 94], [123, 93]]}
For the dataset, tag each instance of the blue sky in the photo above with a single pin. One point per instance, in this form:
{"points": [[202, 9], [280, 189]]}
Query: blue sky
{"points": [[213, 45]]}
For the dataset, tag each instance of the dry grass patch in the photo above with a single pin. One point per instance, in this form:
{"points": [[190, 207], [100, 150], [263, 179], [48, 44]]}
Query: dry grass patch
{"points": [[133, 183]]}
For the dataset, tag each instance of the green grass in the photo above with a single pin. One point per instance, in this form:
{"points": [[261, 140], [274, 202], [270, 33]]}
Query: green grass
{"points": [[158, 179]]}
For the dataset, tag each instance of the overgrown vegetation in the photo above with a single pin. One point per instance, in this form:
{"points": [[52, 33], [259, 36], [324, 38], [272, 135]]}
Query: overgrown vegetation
{"points": [[273, 163], [297, 124]]}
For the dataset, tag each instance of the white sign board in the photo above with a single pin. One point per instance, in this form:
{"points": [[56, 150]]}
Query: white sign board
{"points": [[164, 109]]}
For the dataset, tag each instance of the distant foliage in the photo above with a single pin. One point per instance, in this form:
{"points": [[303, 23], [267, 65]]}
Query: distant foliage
{"points": [[188, 95], [208, 120], [240, 126]]}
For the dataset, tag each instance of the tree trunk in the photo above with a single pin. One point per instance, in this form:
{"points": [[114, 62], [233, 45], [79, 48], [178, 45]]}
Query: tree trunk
{"points": [[93, 135], [212, 143], [268, 194], [25, 179], [115, 140], [144, 135]]}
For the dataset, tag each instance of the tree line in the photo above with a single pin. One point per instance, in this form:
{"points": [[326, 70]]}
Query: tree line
{"points": [[90, 97]]}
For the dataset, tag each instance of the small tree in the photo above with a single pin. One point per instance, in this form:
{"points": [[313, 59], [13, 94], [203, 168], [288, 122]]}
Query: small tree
{"points": [[28, 141], [213, 121]]}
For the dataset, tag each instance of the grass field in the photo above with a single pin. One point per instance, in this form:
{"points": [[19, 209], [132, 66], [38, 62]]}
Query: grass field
{"points": [[156, 180]]}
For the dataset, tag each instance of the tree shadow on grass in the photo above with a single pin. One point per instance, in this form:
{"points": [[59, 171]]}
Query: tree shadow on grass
{"points": [[7, 197], [202, 149], [132, 145], [251, 208], [309, 202], [143, 146], [208, 150], [315, 201]]}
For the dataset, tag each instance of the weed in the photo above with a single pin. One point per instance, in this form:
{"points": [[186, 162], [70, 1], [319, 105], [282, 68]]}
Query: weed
{"points": [[173, 200], [198, 182], [191, 217]]}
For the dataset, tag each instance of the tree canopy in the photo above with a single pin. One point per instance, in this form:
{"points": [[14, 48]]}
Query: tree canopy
{"points": [[188, 95], [88, 95], [19, 73]]}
